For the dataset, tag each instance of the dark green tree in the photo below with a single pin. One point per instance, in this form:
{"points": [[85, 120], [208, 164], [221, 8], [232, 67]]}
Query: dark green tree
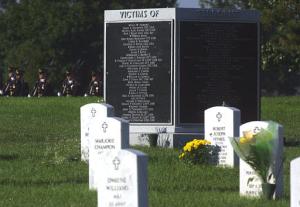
{"points": [[5, 3], [281, 44], [58, 35]]}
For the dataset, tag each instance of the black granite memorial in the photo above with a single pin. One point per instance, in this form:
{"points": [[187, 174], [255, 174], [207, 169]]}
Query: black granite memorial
{"points": [[164, 67]]}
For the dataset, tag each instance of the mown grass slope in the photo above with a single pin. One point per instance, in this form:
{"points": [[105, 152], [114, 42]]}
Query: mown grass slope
{"points": [[40, 159], [284, 110]]}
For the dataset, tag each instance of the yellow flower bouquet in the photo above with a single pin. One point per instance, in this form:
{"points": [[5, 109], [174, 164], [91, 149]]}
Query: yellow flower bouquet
{"points": [[197, 152], [258, 150]]}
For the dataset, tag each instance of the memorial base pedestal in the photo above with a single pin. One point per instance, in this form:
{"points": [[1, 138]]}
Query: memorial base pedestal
{"points": [[169, 140]]}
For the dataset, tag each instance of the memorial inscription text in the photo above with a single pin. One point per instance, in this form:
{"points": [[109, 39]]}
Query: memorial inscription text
{"points": [[138, 70]]}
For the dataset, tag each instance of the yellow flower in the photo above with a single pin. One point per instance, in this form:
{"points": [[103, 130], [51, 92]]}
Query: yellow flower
{"points": [[243, 140], [248, 134], [207, 142], [181, 155], [248, 137], [195, 144]]}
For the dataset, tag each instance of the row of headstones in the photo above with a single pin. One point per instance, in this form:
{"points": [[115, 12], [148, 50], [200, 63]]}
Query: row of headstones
{"points": [[104, 138], [224, 122], [119, 174]]}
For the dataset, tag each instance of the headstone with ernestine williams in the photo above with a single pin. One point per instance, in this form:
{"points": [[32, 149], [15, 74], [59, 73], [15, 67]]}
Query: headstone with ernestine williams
{"points": [[122, 179]]}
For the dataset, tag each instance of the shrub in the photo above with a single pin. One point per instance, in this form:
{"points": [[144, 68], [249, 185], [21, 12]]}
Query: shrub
{"points": [[197, 152]]}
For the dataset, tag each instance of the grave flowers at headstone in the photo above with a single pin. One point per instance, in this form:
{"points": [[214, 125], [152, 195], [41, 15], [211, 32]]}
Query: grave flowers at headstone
{"points": [[258, 149], [199, 151]]}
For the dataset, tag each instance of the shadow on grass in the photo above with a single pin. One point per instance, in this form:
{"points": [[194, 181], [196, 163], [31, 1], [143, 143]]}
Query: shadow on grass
{"points": [[9, 157], [291, 142], [203, 188], [26, 183]]}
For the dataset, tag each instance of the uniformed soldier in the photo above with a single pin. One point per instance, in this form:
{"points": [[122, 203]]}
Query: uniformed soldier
{"points": [[10, 86], [42, 86], [22, 88], [70, 85], [95, 86]]}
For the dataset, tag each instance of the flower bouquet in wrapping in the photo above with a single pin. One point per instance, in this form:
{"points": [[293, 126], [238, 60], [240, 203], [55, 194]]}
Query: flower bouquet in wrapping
{"points": [[258, 150]]}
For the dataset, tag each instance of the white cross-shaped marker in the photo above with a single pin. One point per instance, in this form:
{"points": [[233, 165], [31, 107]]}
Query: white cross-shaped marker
{"points": [[116, 163], [93, 111], [104, 126]]}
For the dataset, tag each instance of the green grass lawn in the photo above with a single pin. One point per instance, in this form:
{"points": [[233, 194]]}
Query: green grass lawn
{"points": [[40, 159], [284, 110]]}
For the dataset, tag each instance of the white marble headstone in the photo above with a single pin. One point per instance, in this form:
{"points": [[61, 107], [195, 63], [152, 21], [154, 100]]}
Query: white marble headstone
{"points": [[122, 179], [110, 133], [250, 183], [220, 123], [295, 182], [91, 113]]}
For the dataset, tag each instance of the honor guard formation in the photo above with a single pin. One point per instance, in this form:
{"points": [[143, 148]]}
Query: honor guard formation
{"points": [[95, 86], [42, 86], [15, 85], [70, 85]]}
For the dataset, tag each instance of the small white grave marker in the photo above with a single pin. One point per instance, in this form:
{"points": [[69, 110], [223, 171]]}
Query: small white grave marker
{"points": [[110, 133], [220, 124], [91, 113], [250, 183], [122, 179], [295, 182]]}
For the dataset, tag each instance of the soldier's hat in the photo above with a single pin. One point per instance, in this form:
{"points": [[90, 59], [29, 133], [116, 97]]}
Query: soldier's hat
{"points": [[10, 69], [19, 72], [41, 71], [94, 73], [68, 72]]}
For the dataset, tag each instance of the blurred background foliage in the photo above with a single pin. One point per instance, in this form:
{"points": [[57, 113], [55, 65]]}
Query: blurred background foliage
{"points": [[57, 35], [68, 34]]}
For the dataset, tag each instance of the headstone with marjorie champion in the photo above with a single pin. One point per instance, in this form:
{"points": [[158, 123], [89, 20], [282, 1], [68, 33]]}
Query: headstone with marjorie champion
{"points": [[91, 113], [111, 133]]}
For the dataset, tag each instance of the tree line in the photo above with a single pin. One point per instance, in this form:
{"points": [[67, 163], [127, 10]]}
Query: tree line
{"points": [[68, 35], [58, 35]]}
